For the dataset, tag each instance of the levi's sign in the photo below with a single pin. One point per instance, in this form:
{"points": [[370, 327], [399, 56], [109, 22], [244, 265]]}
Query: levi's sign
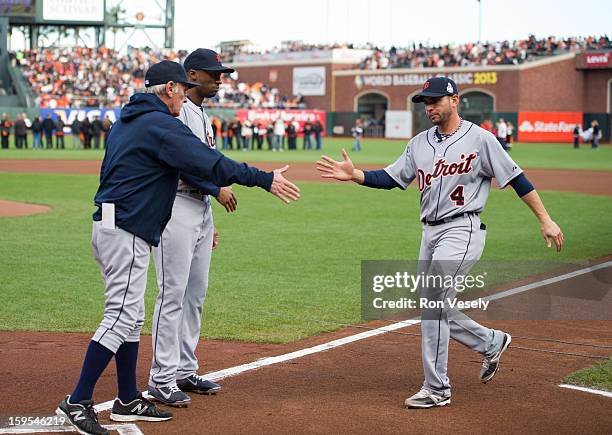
{"points": [[597, 59]]}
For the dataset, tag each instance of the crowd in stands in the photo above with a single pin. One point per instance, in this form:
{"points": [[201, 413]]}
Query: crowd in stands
{"points": [[85, 77], [480, 54], [292, 47], [236, 95]]}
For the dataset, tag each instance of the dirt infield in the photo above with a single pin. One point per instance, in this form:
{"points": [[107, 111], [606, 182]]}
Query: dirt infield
{"points": [[13, 209], [589, 182], [355, 388]]}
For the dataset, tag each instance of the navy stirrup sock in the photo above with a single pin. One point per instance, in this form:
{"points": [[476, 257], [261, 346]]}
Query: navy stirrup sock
{"points": [[126, 358], [96, 360]]}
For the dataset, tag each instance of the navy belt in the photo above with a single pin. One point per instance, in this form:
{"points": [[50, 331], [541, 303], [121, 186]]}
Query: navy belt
{"points": [[449, 219]]}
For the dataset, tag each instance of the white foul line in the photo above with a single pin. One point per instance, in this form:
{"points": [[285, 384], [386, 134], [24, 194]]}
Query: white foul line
{"points": [[233, 371], [587, 390], [122, 429], [569, 275]]}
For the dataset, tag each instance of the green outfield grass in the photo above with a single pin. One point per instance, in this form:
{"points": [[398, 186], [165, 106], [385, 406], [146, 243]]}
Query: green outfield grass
{"points": [[281, 272], [598, 376], [377, 151]]}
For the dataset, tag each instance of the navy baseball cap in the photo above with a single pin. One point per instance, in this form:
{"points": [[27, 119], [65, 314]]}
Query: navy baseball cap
{"points": [[167, 71], [207, 60], [436, 87]]}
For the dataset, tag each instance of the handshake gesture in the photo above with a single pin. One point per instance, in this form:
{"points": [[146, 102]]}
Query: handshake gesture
{"points": [[283, 188], [340, 170]]}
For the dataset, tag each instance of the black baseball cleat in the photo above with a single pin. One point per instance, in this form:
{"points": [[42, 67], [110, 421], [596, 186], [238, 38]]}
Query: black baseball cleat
{"points": [[138, 409], [170, 395], [197, 384], [82, 416], [491, 365]]}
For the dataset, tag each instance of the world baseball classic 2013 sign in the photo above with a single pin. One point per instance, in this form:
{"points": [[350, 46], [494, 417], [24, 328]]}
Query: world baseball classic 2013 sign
{"points": [[417, 79]]}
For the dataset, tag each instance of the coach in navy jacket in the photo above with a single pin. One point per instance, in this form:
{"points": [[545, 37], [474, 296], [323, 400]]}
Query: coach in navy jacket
{"points": [[146, 149]]}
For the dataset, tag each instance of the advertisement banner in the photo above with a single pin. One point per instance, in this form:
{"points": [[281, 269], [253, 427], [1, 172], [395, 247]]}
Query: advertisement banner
{"points": [[594, 59], [309, 81], [17, 8], [73, 10], [265, 116], [547, 126], [68, 115], [398, 124]]}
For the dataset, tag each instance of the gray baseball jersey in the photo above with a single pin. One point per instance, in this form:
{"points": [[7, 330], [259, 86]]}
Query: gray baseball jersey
{"points": [[453, 176], [182, 262]]}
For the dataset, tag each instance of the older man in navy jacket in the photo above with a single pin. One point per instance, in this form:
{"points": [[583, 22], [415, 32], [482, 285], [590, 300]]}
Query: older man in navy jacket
{"points": [[146, 150]]}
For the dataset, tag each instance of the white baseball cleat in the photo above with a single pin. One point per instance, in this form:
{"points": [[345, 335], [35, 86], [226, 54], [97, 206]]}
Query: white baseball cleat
{"points": [[427, 399]]}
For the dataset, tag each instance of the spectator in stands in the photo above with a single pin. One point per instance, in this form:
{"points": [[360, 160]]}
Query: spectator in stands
{"points": [[106, 126], [292, 136], [307, 131], [75, 129], [96, 131], [59, 133], [577, 129], [357, 132], [596, 134], [37, 133], [279, 134], [502, 131], [48, 127], [5, 130], [21, 132], [317, 129]]}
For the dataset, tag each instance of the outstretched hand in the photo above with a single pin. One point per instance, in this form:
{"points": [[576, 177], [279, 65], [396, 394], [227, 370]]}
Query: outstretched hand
{"points": [[283, 188], [330, 168], [551, 232]]}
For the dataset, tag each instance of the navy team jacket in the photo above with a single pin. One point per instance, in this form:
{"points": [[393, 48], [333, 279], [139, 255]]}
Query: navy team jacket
{"points": [[146, 150]]}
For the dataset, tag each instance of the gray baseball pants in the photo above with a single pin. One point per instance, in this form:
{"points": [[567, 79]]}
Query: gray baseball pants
{"points": [[450, 249], [182, 262], [124, 260]]}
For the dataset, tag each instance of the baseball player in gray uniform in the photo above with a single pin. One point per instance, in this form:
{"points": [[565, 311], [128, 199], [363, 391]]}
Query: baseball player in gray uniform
{"points": [[453, 162], [182, 259]]}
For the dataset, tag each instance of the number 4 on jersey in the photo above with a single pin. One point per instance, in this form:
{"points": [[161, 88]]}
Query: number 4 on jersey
{"points": [[457, 195]]}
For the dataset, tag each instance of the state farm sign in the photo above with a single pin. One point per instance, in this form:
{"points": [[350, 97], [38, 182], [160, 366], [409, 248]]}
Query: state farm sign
{"points": [[547, 126]]}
